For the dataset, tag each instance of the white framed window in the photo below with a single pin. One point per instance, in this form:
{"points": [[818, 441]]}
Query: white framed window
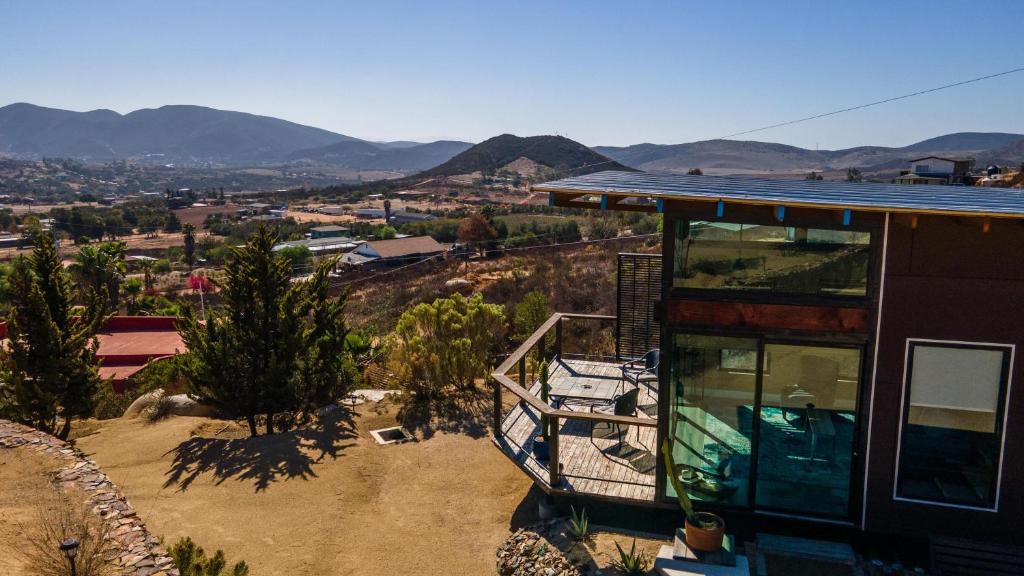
{"points": [[953, 423]]}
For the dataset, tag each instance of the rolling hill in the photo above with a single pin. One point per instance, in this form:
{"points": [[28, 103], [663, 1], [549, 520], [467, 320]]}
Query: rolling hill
{"points": [[737, 157], [554, 152], [400, 156]]}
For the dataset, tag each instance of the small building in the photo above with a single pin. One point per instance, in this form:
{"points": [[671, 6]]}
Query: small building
{"points": [[404, 217], [127, 344], [328, 231], [331, 210], [323, 246], [395, 252], [8, 240], [828, 354], [370, 213], [936, 170]]}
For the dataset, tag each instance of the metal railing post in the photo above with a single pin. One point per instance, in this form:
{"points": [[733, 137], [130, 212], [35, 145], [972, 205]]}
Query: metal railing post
{"points": [[522, 372]]}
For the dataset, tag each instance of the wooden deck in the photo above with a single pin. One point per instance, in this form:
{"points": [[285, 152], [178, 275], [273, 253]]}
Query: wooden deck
{"points": [[602, 467]]}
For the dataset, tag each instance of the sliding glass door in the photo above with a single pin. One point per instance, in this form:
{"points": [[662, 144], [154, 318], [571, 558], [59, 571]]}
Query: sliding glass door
{"points": [[714, 389], [806, 428], [764, 424]]}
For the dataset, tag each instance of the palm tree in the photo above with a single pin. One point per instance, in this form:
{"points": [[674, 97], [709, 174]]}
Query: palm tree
{"points": [[147, 274], [100, 267], [132, 288], [190, 245]]}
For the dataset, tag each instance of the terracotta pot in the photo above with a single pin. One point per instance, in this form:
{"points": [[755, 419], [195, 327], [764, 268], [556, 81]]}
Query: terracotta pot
{"points": [[707, 537]]}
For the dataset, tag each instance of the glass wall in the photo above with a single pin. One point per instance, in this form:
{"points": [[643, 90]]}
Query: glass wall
{"points": [[952, 423], [764, 425], [714, 382], [807, 423], [785, 259]]}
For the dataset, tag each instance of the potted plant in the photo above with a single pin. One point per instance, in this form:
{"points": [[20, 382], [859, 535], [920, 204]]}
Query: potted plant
{"points": [[541, 447], [704, 530]]}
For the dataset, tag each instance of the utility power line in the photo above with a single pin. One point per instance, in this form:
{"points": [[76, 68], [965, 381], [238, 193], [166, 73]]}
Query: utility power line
{"points": [[876, 103]]}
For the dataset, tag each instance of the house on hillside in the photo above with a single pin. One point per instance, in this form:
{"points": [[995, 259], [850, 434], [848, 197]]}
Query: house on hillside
{"points": [[824, 354], [936, 170], [395, 252], [396, 218], [328, 231]]}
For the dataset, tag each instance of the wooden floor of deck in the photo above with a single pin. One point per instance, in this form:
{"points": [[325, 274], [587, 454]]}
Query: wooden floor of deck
{"points": [[602, 467]]}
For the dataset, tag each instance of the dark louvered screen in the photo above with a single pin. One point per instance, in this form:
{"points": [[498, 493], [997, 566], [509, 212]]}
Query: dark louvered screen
{"points": [[639, 288]]}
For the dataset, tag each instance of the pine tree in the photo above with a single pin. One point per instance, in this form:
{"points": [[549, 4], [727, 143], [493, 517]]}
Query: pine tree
{"points": [[273, 346], [49, 371]]}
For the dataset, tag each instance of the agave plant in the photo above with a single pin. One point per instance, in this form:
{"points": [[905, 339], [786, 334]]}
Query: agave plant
{"points": [[579, 525], [631, 563]]}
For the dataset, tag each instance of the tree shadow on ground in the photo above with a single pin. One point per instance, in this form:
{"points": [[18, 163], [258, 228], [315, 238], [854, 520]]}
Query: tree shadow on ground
{"points": [[263, 459], [460, 410]]}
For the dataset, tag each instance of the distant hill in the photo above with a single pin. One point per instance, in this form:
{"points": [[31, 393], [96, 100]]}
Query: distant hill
{"points": [[400, 156], [178, 133], [555, 152], [736, 156]]}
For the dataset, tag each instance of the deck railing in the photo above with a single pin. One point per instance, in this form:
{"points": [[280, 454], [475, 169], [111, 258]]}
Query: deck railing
{"points": [[520, 389]]}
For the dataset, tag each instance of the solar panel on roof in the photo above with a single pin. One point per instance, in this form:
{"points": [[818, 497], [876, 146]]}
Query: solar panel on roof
{"points": [[916, 198]]}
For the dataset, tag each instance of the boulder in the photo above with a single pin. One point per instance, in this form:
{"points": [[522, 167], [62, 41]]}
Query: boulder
{"points": [[181, 404]]}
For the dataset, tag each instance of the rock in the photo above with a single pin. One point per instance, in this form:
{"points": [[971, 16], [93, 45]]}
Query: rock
{"points": [[143, 402]]}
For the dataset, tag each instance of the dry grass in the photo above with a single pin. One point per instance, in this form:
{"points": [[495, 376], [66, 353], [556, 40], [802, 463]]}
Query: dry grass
{"points": [[36, 516], [61, 515], [320, 500]]}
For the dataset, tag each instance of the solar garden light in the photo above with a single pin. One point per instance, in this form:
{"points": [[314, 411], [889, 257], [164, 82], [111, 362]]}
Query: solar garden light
{"points": [[70, 548]]}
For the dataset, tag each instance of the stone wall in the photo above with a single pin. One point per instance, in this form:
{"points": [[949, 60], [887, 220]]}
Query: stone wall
{"points": [[139, 552]]}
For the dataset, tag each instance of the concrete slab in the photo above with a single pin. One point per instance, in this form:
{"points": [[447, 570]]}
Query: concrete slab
{"points": [[667, 565]]}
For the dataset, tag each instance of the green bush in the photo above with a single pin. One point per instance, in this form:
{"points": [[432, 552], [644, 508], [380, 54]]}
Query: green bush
{"points": [[451, 341], [191, 560]]}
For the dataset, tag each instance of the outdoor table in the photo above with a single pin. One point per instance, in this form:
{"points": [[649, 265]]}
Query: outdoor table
{"points": [[585, 390]]}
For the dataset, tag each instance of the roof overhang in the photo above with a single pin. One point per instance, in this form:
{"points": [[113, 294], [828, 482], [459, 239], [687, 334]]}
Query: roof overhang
{"points": [[648, 192]]}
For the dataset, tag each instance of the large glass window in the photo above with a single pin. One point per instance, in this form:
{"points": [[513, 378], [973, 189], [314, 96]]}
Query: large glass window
{"points": [[785, 259], [714, 385], [952, 423], [762, 424]]}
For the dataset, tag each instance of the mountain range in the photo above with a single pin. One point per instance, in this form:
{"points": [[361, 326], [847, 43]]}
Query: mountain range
{"points": [[187, 134], [199, 135], [737, 157]]}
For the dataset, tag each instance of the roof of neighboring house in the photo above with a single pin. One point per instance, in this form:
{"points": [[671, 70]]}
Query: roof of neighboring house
{"points": [[866, 196], [399, 247], [321, 244], [946, 158], [356, 259], [330, 228], [402, 214]]}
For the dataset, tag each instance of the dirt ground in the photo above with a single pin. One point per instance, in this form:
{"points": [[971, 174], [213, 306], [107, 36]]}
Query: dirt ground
{"points": [[319, 501], [23, 484]]}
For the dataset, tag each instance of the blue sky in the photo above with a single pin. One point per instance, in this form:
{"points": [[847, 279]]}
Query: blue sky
{"points": [[602, 73]]}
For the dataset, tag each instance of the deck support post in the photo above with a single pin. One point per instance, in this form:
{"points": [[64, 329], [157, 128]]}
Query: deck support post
{"points": [[497, 408], [554, 478]]}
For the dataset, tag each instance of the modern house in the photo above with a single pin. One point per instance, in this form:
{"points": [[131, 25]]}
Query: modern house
{"points": [[936, 170], [836, 353]]}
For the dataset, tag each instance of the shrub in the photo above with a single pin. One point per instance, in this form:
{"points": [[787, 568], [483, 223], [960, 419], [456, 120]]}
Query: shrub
{"points": [[61, 516], [191, 560], [448, 342]]}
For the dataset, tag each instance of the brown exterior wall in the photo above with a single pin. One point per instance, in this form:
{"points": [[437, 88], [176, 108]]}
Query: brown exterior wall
{"points": [[718, 314], [947, 280]]}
